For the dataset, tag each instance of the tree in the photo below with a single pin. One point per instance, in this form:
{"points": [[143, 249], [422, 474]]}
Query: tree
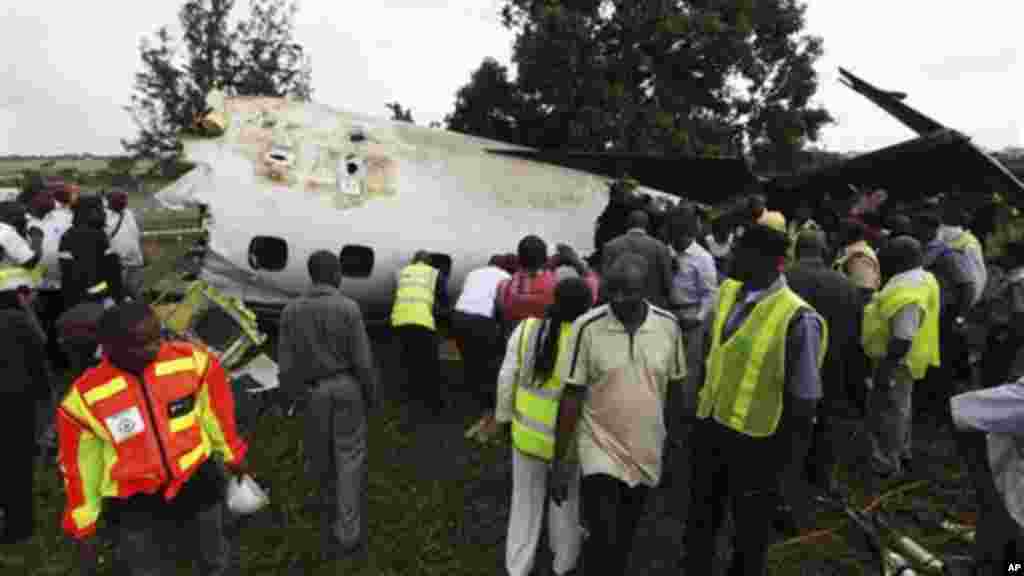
{"points": [[489, 106], [256, 56], [654, 76], [400, 114]]}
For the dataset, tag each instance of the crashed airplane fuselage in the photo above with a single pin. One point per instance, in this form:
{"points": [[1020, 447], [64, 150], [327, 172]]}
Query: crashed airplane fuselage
{"points": [[291, 178]]}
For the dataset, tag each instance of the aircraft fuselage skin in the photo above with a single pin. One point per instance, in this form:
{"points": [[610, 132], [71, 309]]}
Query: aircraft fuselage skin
{"points": [[330, 179]]}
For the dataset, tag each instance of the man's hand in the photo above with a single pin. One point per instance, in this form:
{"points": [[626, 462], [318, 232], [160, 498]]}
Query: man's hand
{"points": [[561, 475], [239, 469], [88, 556]]}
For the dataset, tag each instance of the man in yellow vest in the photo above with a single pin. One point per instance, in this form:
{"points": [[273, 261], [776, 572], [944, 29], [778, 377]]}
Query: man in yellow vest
{"points": [[756, 409], [953, 234], [419, 294], [901, 336], [529, 392]]}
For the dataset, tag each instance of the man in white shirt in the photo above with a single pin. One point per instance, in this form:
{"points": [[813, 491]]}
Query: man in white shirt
{"points": [[478, 337], [18, 256], [126, 242]]}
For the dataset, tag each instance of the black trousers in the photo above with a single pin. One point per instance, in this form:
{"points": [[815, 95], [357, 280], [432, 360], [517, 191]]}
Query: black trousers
{"points": [[941, 383], [50, 304], [999, 541], [821, 458], [611, 511], [18, 425], [731, 473], [422, 365], [1001, 349], [480, 345]]}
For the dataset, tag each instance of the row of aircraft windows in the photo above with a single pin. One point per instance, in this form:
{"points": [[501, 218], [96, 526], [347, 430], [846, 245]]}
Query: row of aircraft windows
{"points": [[270, 253]]}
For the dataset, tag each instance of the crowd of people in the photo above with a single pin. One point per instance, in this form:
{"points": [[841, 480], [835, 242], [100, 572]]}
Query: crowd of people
{"points": [[737, 343], [64, 258], [741, 347]]}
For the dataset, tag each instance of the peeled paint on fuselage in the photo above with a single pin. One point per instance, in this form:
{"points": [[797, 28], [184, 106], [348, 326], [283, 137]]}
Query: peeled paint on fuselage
{"points": [[410, 188]]}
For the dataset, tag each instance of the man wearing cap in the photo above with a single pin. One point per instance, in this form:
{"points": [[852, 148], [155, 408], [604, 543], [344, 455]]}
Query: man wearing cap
{"points": [[756, 409], [901, 336], [137, 438], [125, 241]]}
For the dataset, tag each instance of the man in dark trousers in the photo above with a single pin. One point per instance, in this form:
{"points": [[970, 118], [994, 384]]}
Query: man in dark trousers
{"points": [[25, 379], [660, 274], [839, 303], [420, 295], [324, 351], [756, 409]]}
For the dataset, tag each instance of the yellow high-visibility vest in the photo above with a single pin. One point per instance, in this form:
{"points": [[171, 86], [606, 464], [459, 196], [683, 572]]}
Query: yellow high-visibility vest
{"points": [[414, 299], [964, 241], [746, 375], [924, 350], [536, 404], [13, 277]]}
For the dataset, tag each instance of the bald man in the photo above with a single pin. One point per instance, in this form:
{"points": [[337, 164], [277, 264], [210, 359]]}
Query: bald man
{"points": [[660, 274], [324, 354]]}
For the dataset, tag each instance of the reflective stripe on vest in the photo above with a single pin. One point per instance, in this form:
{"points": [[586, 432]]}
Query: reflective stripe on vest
{"points": [[414, 299], [746, 374], [14, 277], [875, 335], [536, 404]]}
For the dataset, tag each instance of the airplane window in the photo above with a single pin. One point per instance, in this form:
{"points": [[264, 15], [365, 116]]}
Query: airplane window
{"points": [[357, 136], [356, 261], [442, 262], [352, 167], [268, 253]]}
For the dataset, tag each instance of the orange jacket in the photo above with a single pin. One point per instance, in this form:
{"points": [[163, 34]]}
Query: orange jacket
{"points": [[120, 437]]}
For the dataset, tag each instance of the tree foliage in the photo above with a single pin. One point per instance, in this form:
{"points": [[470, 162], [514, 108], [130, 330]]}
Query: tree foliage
{"points": [[689, 77], [254, 56], [400, 114]]}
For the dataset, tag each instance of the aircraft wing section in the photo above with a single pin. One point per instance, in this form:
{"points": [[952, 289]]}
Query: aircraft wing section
{"points": [[679, 176], [912, 170], [892, 103]]}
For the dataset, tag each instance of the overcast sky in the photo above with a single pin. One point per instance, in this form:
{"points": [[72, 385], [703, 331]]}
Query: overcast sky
{"points": [[69, 65]]}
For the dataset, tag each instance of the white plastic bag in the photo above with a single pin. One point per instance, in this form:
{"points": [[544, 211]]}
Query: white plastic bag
{"points": [[245, 496]]}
